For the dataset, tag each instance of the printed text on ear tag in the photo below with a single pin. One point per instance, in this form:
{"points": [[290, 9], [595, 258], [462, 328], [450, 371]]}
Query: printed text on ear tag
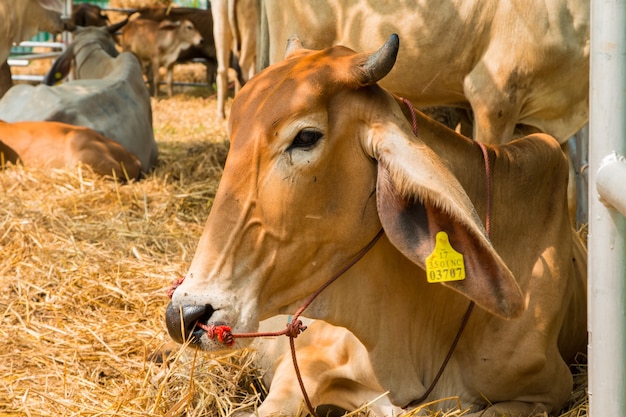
{"points": [[444, 264]]}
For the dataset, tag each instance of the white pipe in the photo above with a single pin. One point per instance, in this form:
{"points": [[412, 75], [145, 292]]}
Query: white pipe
{"points": [[47, 44], [611, 182], [67, 9], [607, 227], [67, 36]]}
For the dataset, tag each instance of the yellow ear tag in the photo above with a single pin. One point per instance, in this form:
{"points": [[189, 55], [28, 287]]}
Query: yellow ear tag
{"points": [[444, 264]]}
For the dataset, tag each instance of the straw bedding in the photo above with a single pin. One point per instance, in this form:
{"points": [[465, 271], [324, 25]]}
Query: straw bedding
{"points": [[85, 267]]}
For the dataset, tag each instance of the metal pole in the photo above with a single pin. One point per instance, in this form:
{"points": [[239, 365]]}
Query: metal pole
{"points": [[607, 226], [67, 12]]}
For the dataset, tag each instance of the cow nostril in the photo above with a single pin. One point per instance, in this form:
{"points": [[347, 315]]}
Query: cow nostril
{"points": [[181, 320]]}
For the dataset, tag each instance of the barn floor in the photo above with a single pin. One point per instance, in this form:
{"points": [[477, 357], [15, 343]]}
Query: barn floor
{"points": [[85, 268]]}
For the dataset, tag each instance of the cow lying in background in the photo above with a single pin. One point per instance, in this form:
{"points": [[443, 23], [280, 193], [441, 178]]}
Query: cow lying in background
{"points": [[59, 145], [107, 94], [159, 45], [324, 166]]}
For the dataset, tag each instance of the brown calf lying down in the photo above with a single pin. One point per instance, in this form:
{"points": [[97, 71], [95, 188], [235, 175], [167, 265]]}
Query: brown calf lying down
{"points": [[58, 145]]}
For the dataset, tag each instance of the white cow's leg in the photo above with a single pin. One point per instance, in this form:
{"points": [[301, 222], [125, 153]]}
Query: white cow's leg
{"points": [[155, 78], [223, 41], [246, 12]]}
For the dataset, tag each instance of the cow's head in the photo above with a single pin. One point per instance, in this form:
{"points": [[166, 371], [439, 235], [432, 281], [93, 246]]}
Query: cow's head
{"points": [[321, 158], [100, 37], [185, 32]]}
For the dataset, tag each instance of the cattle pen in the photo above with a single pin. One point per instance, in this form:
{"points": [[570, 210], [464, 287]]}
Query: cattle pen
{"points": [[87, 264]]}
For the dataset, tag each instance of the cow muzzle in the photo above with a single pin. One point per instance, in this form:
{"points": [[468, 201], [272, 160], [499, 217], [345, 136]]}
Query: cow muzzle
{"points": [[182, 320]]}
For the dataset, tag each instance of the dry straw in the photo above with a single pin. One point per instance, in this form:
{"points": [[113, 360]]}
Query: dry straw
{"points": [[85, 267]]}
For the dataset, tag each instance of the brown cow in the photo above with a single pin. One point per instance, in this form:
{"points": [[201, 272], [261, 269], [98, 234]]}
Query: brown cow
{"points": [[456, 239], [59, 145], [158, 45], [7, 155], [202, 20]]}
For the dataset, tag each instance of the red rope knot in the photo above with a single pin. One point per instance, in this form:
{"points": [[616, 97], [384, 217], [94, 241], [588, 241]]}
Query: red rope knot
{"points": [[294, 328], [221, 333], [176, 284]]}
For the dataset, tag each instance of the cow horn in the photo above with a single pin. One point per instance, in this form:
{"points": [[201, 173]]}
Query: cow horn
{"points": [[379, 63], [293, 44], [117, 26]]}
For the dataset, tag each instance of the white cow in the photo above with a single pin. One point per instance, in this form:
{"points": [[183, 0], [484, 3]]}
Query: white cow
{"points": [[512, 62], [107, 95]]}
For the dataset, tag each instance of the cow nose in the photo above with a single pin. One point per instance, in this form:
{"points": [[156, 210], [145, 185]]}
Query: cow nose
{"points": [[181, 321]]}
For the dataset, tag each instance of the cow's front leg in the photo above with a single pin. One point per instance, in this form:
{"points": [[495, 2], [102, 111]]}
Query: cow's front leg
{"points": [[513, 409], [156, 79], [170, 79]]}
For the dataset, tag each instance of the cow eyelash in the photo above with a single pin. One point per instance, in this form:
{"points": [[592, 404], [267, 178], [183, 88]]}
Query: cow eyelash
{"points": [[306, 139]]}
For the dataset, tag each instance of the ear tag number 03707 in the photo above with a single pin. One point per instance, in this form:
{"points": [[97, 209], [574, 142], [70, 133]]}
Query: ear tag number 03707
{"points": [[444, 264]]}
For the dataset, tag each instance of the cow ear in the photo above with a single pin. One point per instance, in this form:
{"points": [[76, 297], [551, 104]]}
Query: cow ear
{"points": [[169, 25], [417, 197], [60, 68], [293, 44]]}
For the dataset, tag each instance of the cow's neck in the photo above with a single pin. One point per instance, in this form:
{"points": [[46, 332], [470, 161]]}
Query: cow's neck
{"points": [[91, 61], [406, 324]]}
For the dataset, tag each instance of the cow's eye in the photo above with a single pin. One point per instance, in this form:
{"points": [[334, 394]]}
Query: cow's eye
{"points": [[306, 139]]}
